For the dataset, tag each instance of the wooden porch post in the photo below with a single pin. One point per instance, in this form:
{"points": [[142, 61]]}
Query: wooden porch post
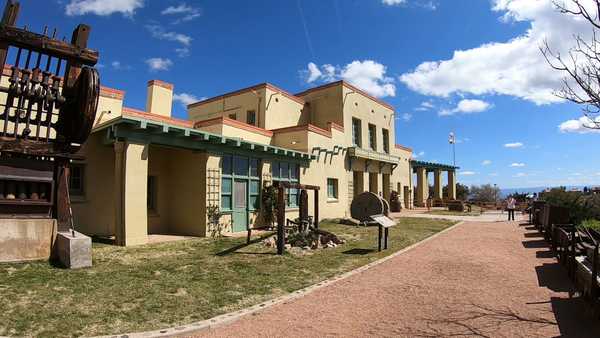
{"points": [[280, 219]]}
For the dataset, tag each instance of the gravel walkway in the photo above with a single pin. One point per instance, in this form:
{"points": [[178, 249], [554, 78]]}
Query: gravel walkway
{"points": [[493, 279]]}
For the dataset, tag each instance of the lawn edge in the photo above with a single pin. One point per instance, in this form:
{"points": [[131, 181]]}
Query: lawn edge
{"points": [[231, 317]]}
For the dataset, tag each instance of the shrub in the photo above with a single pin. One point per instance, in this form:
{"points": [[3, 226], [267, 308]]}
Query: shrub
{"points": [[592, 224], [581, 206]]}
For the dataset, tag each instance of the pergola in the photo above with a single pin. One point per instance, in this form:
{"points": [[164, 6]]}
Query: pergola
{"points": [[422, 169]]}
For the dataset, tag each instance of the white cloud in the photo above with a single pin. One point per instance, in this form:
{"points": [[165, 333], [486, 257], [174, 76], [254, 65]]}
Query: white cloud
{"points": [[393, 2], [520, 175], [513, 145], [367, 75], [182, 52], [314, 73], [103, 7], [486, 162], [160, 33], [117, 65], [517, 165], [156, 64], [425, 106], [186, 12], [419, 154], [186, 99], [467, 173], [514, 67], [493, 174], [406, 117], [582, 125], [466, 107]]}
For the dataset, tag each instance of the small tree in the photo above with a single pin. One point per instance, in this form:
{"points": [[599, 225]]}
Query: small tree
{"points": [[269, 204], [485, 193], [581, 65]]}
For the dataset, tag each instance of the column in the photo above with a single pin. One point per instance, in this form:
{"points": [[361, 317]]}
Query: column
{"points": [[131, 179], [437, 184], [422, 187], [451, 184]]}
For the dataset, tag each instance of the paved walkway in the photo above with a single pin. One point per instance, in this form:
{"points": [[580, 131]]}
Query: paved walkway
{"points": [[494, 279]]}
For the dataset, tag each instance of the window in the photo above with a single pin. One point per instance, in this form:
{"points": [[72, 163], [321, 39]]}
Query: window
{"points": [[151, 196], [332, 188], [239, 168], [287, 172], [76, 180], [372, 137], [386, 140], [232, 116], [251, 117], [356, 132]]}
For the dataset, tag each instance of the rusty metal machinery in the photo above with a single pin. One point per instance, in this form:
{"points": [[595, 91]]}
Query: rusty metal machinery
{"points": [[367, 204], [49, 94]]}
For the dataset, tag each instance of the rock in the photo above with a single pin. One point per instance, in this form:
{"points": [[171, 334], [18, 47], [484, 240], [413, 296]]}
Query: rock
{"points": [[287, 246], [269, 242], [306, 248]]}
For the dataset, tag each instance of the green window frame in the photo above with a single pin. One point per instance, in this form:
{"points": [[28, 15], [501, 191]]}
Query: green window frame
{"points": [[77, 180], [356, 132], [386, 140], [240, 167], [372, 137], [332, 188], [251, 117], [287, 172]]}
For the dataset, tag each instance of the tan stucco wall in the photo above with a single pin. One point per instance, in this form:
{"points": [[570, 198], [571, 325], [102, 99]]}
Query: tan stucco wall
{"points": [[325, 105], [281, 111], [94, 213], [135, 176], [236, 104], [108, 109], [159, 100]]}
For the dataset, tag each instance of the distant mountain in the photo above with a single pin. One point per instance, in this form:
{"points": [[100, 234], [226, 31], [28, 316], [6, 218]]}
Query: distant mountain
{"points": [[505, 192]]}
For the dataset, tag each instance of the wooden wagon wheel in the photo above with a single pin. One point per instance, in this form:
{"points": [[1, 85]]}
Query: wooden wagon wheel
{"points": [[80, 111]]}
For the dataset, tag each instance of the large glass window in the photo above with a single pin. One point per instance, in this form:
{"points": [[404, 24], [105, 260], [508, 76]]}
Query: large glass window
{"points": [[287, 172], [239, 168], [356, 132], [386, 140], [372, 137]]}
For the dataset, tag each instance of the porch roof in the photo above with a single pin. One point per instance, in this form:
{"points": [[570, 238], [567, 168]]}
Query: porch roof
{"points": [[165, 133], [431, 165]]}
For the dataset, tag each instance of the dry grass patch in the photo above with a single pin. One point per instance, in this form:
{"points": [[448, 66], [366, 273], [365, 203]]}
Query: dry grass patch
{"points": [[168, 284]]}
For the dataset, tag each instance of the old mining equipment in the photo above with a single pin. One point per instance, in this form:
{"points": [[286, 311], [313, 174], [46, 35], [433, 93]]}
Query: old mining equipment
{"points": [[49, 93]]}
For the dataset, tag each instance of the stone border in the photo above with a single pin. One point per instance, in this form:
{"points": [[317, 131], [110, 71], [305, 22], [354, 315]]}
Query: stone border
{"points": [[233, 316]]}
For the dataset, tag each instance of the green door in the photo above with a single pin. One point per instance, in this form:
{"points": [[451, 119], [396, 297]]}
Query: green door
{"points": [[240, 205]]}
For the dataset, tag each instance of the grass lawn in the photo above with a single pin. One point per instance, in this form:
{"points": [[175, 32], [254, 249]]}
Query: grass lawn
{"points": [[475, 211], [161, 285]]}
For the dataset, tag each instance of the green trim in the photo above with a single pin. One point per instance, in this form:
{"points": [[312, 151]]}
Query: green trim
{"points": [[431, 166], [155, 132], [358, 152]]}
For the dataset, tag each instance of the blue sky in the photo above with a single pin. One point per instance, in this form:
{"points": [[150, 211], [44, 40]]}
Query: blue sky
{"points": [[468, 66]]}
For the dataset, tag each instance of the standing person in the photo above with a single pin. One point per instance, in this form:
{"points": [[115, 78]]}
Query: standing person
{"points": [[510, 207]]}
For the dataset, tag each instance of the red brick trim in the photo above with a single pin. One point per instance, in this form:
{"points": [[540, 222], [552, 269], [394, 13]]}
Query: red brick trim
{"points": [[399, 146], [233, 123], [245, 90], [304, 127], [112, 93], [344, 83], [155, 117], [333, 125], [160, 83]]}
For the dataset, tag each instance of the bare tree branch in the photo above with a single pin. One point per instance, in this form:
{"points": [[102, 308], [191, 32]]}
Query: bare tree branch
{"points": [[581, 66]]}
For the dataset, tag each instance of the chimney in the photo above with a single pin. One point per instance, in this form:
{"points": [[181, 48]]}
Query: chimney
{"points": [[160, 98]]}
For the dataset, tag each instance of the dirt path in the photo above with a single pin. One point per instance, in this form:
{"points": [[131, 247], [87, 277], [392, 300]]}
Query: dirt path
{"points": [[479, 279]]}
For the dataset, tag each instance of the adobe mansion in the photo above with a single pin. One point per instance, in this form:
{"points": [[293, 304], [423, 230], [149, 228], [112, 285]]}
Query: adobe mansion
{"points": [[145, 172]]}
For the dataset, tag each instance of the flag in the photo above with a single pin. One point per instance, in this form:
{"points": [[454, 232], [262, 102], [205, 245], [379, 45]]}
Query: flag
{"points": [[452, 138]]}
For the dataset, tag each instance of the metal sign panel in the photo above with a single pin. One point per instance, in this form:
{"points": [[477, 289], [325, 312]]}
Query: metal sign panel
{"points": [[383, 220]]}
